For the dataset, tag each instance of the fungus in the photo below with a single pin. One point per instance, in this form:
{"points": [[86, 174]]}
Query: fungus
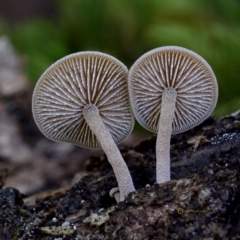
{"points": [[172, 90], [114, 192], [83, 99]]}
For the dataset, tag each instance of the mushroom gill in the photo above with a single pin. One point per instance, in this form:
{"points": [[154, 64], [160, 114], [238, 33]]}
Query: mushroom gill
{"points": [[171, 89]]}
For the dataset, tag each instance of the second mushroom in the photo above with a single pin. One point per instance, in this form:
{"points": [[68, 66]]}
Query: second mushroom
{"points": [[172, 89], [83, 99]]}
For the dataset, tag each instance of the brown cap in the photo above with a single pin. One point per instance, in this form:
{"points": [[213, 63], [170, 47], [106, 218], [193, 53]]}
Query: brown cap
{"points": [[75, 81], [178, 69]]}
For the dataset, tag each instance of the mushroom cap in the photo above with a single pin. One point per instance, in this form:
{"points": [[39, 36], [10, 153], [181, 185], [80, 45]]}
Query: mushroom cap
{"points": [[178, 68], [75, 81], [113, 191]]}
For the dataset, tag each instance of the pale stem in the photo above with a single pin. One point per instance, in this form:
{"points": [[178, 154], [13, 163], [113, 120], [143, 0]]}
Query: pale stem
{"points": [[124, 179], [164, 135]]}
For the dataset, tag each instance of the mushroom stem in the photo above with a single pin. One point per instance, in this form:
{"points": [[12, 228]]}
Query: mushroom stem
{"points": [[94, 121], [169, 96]]}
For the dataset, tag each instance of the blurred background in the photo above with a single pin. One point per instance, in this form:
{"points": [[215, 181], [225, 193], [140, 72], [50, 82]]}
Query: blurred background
{"points": [[43, 31]]}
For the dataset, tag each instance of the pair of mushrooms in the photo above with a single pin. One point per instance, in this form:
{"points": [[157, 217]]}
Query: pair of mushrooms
{"points": [[85, 99]]}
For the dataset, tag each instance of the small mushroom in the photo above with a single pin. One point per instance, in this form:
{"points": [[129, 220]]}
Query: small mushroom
{"points": [[114, 192], [83, 99], [172, 90]]}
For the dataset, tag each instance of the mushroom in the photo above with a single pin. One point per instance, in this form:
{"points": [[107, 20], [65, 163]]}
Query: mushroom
{"points": [[83, 99], [114, 192], [172, 89]]}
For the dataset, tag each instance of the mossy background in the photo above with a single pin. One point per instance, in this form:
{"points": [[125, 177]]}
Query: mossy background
{"points": [[127, 29]]}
